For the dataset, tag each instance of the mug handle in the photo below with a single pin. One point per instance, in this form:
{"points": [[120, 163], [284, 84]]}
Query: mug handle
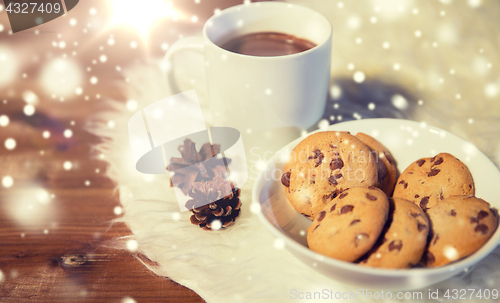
{"points": [[195, 43]]}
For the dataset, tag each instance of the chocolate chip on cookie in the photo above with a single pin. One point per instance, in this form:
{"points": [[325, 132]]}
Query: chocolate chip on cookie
{"points": [[430, 180], [460, 226], [349, 226], [322, 166], [403, 239], [285, 179]]}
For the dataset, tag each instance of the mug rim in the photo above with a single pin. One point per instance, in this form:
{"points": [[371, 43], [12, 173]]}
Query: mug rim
{"points": [[257, 4]]}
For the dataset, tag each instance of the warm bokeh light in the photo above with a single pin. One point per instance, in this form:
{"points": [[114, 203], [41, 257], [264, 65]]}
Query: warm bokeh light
{"points": [[31, 207], [8, 65], [141, 15], [61, 77]]}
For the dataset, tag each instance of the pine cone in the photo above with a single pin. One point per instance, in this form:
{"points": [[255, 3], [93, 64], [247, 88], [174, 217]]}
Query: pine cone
{"points": [[189, 168], [225, 208]]}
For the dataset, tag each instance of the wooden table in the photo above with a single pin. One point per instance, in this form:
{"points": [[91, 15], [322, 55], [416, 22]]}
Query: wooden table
{"points": [[55, 230]]}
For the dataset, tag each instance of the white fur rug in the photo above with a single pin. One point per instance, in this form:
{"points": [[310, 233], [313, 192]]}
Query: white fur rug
{"points": [[424, 60]]}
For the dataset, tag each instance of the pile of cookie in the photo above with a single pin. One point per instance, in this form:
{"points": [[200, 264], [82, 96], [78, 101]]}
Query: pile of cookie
{"points": [[363, 213]]}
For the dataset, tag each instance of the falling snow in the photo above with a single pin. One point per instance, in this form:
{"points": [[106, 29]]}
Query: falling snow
{"points": [[132, 245], [7, 181], [261, 165], [10, 144], [354, 22], [399, 102], [255, 208], [30, 97], [491, 90], [29, 110], [42, 196], [216, 225], [67, 165], [118, 210], [132, 105], [68, 133], [335, 92], [474, 3], [279, 243], [323, 124], [359, 77], [4, 120], [128, 300]]}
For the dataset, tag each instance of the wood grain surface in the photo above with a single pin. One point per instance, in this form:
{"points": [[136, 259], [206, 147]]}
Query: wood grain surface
{"points": [[55, 230], [60, 251]]}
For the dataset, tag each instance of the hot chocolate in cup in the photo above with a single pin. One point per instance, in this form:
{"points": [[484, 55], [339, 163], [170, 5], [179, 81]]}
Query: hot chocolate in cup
{"points": [[267, 68]]}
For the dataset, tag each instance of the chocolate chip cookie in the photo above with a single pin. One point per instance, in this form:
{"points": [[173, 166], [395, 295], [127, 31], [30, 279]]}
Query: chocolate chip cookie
{"points": [[386, 165], [430, 180], [350, 224], [322, 166], [404, 238], [460, 226]]}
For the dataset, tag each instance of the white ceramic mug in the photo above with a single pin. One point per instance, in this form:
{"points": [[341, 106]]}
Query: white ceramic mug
{"points": [[253, 93]]}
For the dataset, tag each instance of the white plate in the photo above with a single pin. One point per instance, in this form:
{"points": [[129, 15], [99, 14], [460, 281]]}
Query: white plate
{"points": [[407, 141]]}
